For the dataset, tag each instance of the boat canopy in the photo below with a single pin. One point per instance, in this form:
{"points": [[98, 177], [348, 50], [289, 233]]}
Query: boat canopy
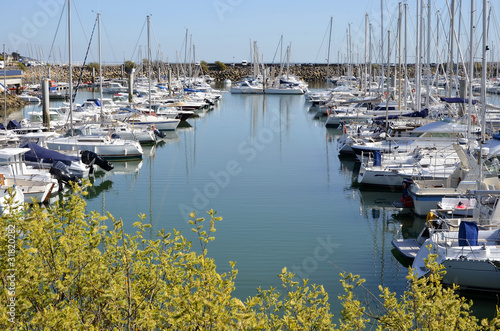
{"points": [[423, 113], [442, 126], [467, 233], [457, 100], [37, 153]]}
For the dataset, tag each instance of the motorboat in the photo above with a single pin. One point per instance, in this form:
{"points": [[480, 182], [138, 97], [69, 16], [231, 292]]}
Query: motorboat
{"points": [[36, 184], [104, 146]]}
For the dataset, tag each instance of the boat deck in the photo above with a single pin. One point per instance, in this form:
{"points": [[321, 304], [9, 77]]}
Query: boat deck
{"points": [[408, 247]]}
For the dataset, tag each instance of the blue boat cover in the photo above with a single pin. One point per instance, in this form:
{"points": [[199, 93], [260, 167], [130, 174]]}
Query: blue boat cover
{"points": [[423, 113], [377, 158], [96, 101], [467, 234], [457, 100], [38, 153], [13, 124]]}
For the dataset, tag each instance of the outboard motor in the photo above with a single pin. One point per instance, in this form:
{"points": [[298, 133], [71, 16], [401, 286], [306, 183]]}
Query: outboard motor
{"points": [[62, 173], [406, 199], [91, 158], [158, 133]]}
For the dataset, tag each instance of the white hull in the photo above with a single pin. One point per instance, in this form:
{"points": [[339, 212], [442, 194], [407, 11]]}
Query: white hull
{"points": [[473, 274], [288, 91], [247, 90], [373, 177], [116, 148], [38, 191], [162, 124], [475, 266]]}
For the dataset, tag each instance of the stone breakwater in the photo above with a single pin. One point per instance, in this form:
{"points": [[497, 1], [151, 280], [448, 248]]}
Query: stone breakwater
{"points": [[234, 73], [13, 103]]}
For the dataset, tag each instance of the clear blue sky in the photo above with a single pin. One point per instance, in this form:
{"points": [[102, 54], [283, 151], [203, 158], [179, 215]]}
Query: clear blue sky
{"points": [[220, 29]]}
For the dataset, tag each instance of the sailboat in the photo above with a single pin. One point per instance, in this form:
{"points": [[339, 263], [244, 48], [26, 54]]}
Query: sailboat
{"points": [[469, 249], [104, 146]]}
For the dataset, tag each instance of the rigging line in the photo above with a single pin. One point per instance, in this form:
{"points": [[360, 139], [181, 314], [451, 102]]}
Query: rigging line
{"points": [[109, 41], [84, 61], [276, 52], [154, 35], [57, 29], [81, 25], [322, 41], [135, 48]]}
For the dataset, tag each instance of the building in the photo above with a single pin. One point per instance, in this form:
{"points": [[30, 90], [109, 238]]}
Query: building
{"points": [[13, 78]]}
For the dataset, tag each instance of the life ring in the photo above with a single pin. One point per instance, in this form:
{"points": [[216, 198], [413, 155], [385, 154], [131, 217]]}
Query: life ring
{"points": [[473, 119], [2, 179], [413, 90], [385, 94]]}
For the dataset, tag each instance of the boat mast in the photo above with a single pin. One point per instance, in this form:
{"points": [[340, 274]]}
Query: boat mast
{"points": [[349, 55], [365, 75], [70, 67], [288, 51], [4, 86], [406, 59], [149, 66], [484, 72], [100, 65], [370, 53], [483, 88], [399, 57], [449, 67], [382, 43], [388, 76], [329, 46], [427, 100], [471, 68], [417, 61]]}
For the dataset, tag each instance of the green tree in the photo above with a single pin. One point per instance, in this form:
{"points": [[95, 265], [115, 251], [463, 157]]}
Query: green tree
{"points": [[128, 66], [16, 56], [204, 66], [220, 66], [93, 65], [427, 305], [62, 268]]}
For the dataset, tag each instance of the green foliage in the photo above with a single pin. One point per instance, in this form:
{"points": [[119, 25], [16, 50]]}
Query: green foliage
{"points": [[75, 271], [21, 66], [93, 65], [427, 305], [204, 66], [219, 66], [128, 66], [79, 270]]}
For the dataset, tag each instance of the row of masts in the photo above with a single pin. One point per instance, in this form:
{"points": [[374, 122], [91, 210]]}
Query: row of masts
{"points": [[452, 68]]}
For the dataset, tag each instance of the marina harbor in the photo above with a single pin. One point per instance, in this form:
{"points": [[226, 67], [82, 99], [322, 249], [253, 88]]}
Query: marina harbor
{"points": [[381, 154]]}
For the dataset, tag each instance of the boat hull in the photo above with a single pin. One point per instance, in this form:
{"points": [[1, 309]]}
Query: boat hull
{"points": [[127, 149], [473, 274]]}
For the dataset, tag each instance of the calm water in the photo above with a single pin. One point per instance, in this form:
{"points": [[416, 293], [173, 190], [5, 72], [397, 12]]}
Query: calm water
{"points": [[271, 169]]}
